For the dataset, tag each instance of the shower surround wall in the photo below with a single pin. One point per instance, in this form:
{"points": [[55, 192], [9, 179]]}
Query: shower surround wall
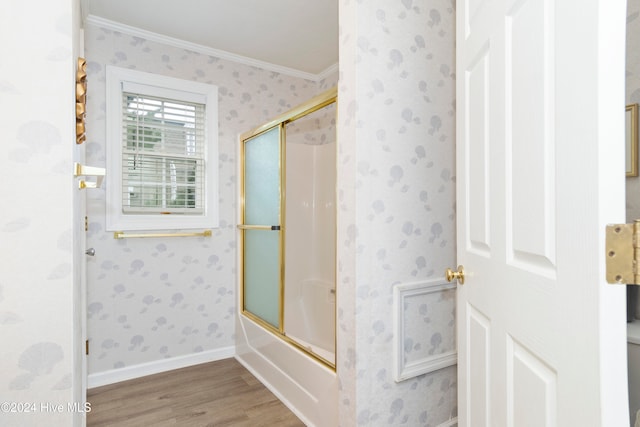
{"points": [[310, 247], [155, 299], [310, 229], [396, 198]]}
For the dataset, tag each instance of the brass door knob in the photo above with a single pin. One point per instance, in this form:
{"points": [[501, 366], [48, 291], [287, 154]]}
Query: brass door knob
{"points": [[451, 275]]}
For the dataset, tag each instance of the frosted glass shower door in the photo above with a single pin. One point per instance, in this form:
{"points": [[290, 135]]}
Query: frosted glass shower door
{"points": [[262, 290]]}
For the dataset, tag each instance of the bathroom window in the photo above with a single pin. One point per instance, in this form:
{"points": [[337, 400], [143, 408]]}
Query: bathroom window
{"points": [[161, 161]]}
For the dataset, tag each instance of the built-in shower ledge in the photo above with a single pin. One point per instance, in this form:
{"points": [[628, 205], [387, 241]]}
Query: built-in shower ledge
{"points": [[112, 376]]}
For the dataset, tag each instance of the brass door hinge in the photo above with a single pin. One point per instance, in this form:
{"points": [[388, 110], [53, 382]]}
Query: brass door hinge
{"points": [[623, 253], [86, 347], [86, 223]]}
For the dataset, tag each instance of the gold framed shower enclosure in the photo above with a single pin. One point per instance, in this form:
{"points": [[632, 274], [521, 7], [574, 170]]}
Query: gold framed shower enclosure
{"points": [[269, 222]]}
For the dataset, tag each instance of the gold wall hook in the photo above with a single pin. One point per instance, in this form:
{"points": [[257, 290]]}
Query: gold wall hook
{"points": [[451, 275]]}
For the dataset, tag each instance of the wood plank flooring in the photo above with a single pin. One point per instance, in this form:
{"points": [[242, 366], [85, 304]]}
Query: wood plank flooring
{"points": [[215, 394]]}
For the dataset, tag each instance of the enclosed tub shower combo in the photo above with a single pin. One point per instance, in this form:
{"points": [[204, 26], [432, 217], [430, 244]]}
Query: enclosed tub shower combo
{"points": [[287, 257]]}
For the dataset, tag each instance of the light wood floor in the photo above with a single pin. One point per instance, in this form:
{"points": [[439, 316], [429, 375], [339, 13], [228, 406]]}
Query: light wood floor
{"points": [[221, 393]]}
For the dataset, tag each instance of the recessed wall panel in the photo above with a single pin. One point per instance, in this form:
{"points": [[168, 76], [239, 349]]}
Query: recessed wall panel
{"points": [[429, 322], [478, 369], [477, 147], [529, 136], [532, 385]]}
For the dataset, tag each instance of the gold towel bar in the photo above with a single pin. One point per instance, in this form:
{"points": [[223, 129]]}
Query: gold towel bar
{"points": [[123, 235]]}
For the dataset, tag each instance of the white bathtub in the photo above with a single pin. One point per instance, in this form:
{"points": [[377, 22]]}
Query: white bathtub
{"points": [[303, 384]]}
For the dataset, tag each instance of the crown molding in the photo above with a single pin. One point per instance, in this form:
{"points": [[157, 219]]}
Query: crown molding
{"points": [[195, 47], [327, 72]]}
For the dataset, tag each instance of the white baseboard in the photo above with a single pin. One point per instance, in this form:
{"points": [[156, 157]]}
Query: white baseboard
{"points": [[136, 371]]}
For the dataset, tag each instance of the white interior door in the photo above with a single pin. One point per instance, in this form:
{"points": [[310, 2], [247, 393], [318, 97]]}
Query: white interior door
{"points": [[80, 271], [540, 166]]}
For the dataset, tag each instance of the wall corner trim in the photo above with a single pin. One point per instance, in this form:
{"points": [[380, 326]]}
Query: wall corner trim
{"points": [[143, 369]]}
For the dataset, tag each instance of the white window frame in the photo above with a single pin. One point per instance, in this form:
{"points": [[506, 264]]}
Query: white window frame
{"points": [[171, 88]]}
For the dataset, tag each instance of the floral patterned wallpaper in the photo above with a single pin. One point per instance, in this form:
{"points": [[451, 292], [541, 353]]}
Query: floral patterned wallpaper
{"points": [[151, 299], [396, 221]]}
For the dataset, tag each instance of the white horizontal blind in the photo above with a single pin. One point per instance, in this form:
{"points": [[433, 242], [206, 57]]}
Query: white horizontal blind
{"points": [[163, 155]]}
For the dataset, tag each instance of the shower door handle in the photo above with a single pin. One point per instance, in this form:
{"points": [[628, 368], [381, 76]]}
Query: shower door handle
{"points": [[259, 227]]}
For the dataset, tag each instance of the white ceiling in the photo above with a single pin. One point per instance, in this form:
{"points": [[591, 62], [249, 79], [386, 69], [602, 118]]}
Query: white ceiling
{"points": [[301, 35]]}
